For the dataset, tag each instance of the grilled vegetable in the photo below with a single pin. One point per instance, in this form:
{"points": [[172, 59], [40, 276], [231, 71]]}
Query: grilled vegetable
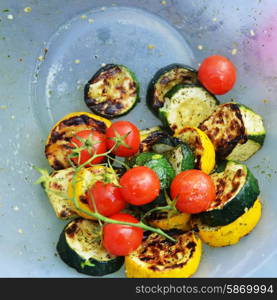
{"points": [[56, 191], [157, 257], [84, 179], [112, 92], [148, 138], [186, 105], [58, 147], [181, 158], [167, 221], [158, 163], [235, 131], [165, 144], [236, 191], [80, 247], [164, 80], [232, 233], [159, 201], [201, 146]]}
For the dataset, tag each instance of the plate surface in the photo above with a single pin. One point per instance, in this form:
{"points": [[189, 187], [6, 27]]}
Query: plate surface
{"points": [[49, 54], [128, 36]]}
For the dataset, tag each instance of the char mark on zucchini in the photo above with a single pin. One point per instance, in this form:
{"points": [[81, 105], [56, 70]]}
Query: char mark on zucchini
{"points": [[235, 131], [164, 80], [150, 137], [236, 191], [186, 105], [112, 91]]}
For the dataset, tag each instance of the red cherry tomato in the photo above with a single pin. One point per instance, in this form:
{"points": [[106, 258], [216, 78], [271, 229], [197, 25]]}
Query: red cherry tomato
{"points": [[194, 191], [217, 74], [140, 185], [95, 142], [130, 144], [120, 240], [106, 197]]}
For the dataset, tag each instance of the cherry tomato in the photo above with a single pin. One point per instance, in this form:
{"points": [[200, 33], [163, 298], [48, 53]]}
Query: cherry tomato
{"points": [[120, 240], [106, 197], [140, 185], [126, 133], [217, 74], [194, 191], [95, 142]]}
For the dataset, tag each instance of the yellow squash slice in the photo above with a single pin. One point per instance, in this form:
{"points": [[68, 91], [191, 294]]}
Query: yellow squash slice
{"points": [[157, 257], [57, 145], [230, 234], [166, 222], [201, 145], [84, 179]]}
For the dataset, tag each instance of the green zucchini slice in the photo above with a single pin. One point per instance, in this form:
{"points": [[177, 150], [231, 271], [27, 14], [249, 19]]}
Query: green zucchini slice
{"points": [[158, 163], [181, 158], [165, 144], [164, 80], [235, 131], [236, 191], [149, 137], [112, 92], [79, 246], [186, 105]]}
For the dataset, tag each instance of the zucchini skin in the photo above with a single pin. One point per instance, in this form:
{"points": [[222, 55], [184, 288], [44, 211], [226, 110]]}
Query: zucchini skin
{"points": [[155, 104], [111, 113], [75, 261], [236, 207]]}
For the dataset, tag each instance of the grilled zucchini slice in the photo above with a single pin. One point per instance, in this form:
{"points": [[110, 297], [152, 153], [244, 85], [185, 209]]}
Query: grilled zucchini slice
{"points": [[230, 234], [84, 179], [149, 137], [236, 191], [158, 163], [57, 145], [112, 91], [181, 158], [157, 257], [186, 105], [80, 247], [168, 221], [165, 144], [165, 79], [201, 146], [56, 191], [235, 131]]}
